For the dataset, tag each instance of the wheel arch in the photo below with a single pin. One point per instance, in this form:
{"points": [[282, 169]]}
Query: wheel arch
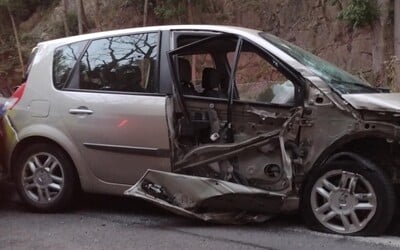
{"points": [[46, 134], [369, 150], [357, 147], [26, 142], [380, 148]]}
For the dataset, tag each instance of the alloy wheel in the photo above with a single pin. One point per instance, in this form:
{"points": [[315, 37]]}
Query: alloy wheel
{"points": [[343, 201], [42, 178]]}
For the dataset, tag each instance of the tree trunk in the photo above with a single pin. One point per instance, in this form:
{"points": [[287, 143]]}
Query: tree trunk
{"points": [[213, 7], [190, 11], [379, 31], [65, 17], [190, 20], [18, 45], [97, 15], [146, 7], [82, 20], [397, 28], [396, 46], [79, 16]]}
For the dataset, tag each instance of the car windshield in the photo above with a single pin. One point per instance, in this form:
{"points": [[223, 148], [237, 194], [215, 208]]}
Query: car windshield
{"points": [[340, 80]]}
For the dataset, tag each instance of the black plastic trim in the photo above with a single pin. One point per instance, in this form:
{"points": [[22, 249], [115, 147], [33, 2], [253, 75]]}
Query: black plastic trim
{"points": [[129, 149]]}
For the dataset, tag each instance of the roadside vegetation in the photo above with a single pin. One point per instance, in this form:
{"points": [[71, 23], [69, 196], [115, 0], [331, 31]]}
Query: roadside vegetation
{"points": [[23, 23]]}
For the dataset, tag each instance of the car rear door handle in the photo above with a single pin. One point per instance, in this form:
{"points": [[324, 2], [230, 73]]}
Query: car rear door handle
{"points": [[81, 111]]}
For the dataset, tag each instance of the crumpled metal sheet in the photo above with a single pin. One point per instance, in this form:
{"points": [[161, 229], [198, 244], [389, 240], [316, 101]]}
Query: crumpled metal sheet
{"points": [[207, 199], [386, 102]]}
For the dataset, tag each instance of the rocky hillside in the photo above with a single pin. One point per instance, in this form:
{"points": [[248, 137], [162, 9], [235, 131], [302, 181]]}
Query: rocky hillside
{"points": [[311, 24]]}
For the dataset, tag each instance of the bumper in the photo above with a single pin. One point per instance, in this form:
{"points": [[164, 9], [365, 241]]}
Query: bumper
{"points": [[9, 139]]}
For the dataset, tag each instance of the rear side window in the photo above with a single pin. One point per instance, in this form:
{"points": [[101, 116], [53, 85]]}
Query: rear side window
{"points": [[65, 58], [121, 63]]}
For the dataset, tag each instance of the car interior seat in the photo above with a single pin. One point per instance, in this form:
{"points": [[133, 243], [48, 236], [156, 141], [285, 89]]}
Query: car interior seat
{"points": [[130, 78], [185, 77], [211, 82], [110, 78]]}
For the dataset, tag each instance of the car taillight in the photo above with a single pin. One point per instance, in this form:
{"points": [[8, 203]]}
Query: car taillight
{"points": [[15, 97]]}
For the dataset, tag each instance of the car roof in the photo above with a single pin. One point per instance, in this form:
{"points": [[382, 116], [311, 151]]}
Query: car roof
{"points": [[96, 35]]}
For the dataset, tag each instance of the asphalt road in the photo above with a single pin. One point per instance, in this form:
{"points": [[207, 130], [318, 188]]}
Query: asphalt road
{"points": [[103, 222]]}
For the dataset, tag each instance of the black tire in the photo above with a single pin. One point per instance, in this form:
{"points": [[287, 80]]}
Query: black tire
{"points": [[384, 202], [64, 168]]}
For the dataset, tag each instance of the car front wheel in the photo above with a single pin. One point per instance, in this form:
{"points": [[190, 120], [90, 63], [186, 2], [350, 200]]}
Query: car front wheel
{"points": [[348, 197], [45, 178]]}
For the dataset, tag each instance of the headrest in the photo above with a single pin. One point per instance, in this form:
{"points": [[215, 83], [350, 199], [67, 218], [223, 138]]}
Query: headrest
{"points": [[211, 79], [130, 74], [185, 70]]}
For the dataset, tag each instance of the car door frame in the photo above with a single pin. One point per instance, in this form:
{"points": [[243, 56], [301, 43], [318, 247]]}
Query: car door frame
{"points": [[298, 81], [73, 78]]}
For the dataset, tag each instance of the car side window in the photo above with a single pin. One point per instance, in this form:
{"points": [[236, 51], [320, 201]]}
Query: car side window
{"points": [[64, 59], [259, 81], [120, 63]]}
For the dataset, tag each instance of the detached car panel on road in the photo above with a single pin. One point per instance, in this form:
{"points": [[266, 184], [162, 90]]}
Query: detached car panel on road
{"points": [[214, 122]]}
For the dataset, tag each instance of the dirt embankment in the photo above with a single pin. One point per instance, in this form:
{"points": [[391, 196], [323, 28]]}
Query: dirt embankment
{"points": [[311, 24]]}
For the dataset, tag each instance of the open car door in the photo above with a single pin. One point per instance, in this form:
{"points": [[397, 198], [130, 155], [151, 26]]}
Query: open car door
{"points": [[233, 155]]}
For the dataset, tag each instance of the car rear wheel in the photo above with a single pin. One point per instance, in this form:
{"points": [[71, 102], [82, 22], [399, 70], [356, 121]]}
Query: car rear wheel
{"points": [[45, 178], [348, 197]]}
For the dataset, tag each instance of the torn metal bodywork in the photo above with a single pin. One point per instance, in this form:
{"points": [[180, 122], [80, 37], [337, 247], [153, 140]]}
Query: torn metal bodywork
{"points": [[247, 157], [235, 161], [260, 174], [367, 124], [231, 162], [205, 198], [224, 183]]}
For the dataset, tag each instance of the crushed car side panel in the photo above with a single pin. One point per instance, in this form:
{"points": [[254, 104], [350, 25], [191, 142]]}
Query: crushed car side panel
{"points": [[228, 183], [262, 165], [206, 198]]}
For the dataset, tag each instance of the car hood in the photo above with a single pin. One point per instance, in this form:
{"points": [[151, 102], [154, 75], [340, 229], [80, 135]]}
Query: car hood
{"points": [[387, 102]]}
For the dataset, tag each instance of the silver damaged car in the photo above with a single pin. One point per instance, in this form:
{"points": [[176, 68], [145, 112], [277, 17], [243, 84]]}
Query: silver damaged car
{"points": [[219, 123]]}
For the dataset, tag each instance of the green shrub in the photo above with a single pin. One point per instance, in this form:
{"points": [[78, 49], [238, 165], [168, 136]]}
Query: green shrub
{"points": [[359, 12], [170, 9]]}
